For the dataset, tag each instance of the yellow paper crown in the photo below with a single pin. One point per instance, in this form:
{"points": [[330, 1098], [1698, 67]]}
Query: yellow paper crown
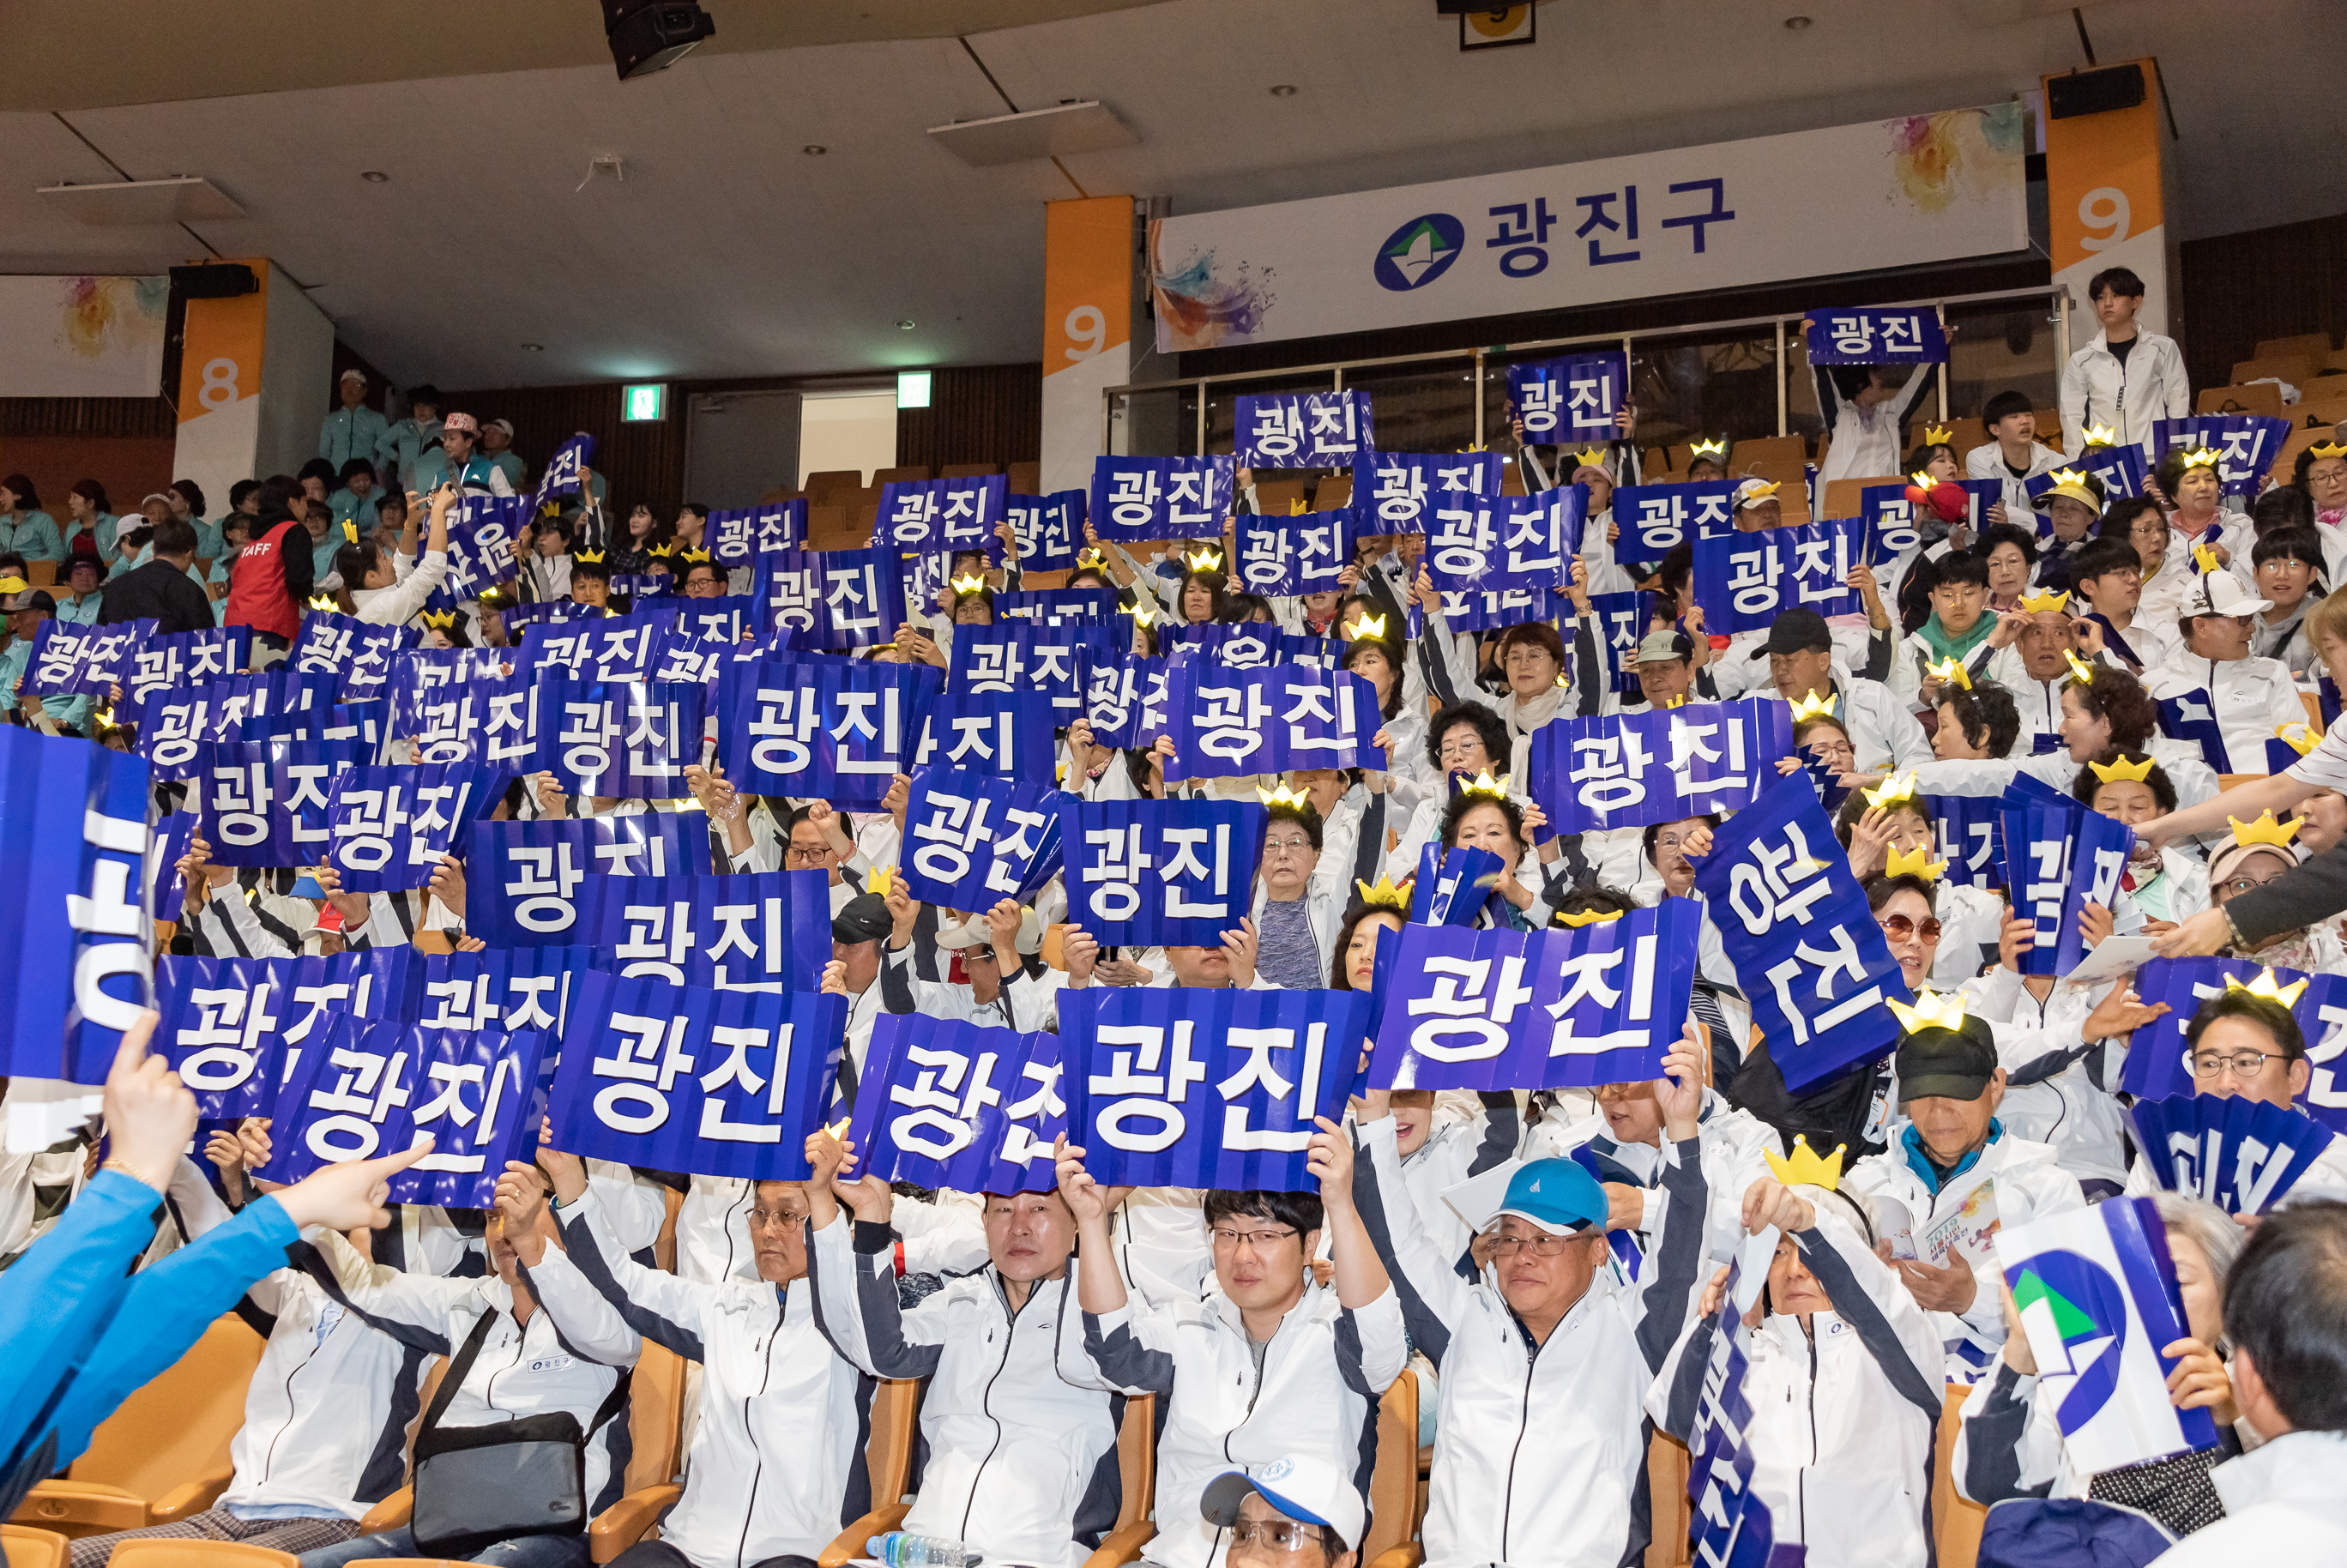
{"points": [[2329, 449], [1813, 706], [2037, 603], [1932, 1010], [1950, 669], [350, 531], [1805, 1169], [440, 619], [2114, 773], [2264, 985], [1367, 626], [2069, 476], [495, 599], [1758, 490], [2201, 457], [1296, 509], [1384, 895], [2299, 737], [878, 882], [1914, 862], [1089, 557], [1587, 917], [2263, 830], [968, 584], [1590, 457], [1282, 795], [2080, 671], [1921, 479], [1708, 449], [1143, 615], [1938, 435], [1896, 790], [588, 558], [1484, 784], [662, 550], [324, 601], [2100, 435], [1204, 560], [694, 557]]}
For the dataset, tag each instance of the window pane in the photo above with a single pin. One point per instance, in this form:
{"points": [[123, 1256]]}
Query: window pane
{"points": [[1158, 423]]}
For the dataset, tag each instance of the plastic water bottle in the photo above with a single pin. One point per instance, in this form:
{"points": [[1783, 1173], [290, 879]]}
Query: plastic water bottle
{"points": [[898, 1549]]}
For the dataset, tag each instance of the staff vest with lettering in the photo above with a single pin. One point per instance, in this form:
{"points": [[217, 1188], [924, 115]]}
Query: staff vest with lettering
{"points": [[256, 586]]}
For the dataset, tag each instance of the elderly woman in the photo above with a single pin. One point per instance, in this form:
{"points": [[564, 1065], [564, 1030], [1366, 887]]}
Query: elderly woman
{"points": [[2187, 476]]}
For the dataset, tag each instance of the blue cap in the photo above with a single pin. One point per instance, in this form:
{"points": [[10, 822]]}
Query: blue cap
{"points": [[1557, 1195], [307, 887]]}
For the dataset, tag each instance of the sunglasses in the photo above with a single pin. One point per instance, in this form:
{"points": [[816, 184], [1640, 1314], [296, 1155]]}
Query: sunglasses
{"points": [[1898, 928]]}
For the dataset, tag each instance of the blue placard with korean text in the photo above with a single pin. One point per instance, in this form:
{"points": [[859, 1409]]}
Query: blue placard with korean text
{"points": [[263, 802], [753, 931], [972, 840], [2246, 444], [387, 826], [735, 538], [177, 661], [942, 516], [1570, 401], [1138, 499], [1876, 335], [1744, 581], [631, 740], [482, 534], [1656, 518], [1007, 735], [958, 1106], [1030, 656], [1286, 557], [526, 883], [2059, 857], [491, 720], [1633, 769], [1478, 543], [1391, 489], [175, 724], [1302, 429], [1149, 873], [1050, 530], [1230, 723], [840, 729], [219, 1029], [358, 653]]}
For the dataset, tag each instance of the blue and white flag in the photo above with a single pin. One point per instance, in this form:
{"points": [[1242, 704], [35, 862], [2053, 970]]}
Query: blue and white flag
{"points": [[1149, 873], [1050, 530], [1302, 429], [69, 661], [2192, 716], [2241, 1154], [373, 1088], [1733, 1527], [1572, 400], [1181, 1087], [1230, 723], [1892, 527], [2098, 1298], [750, 931], [493, 721], [177, 662], [942, 516], [219, 1029], [1136, 499], [523, 880], [1794, 922], [564, 471], [1655, 520], [1283, 558], [2059, 858], [2155, 1066], [482, 534], [736, 538], [1576, 1008], [1744, 581], [263, 802], [1633, 769], [1478, 543], [358, 652], [840, 729], [1391, 489], [1126, 700], [1496, 608], [631, 740], [972, 840], [1024, 656], [2246, 444], [1004, 735], [958, 1106], [388, 826], [75, 926], [1970, 837], [175, 724], [678, 1078], [1876, 335], [506, 989]]}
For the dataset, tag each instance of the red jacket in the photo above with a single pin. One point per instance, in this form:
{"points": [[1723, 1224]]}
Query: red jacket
{"points": [[258, 594]]}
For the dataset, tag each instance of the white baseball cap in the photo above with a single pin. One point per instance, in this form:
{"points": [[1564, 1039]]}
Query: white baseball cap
{"points": [[354, 374], [2222, 593], [1301, 1486], [971, 932]]}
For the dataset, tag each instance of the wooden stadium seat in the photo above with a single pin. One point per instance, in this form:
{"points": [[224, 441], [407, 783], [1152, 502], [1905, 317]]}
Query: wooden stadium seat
{"points": [[2315, 346], [888, 1456], [2334, 360], [908, 474], [655, 1423], [2229, 781], [1660, 459], [2297, 370], [26, 1547], [1666, 1483], [1843, 496], [397, 1510], [2324, 412], [418, 1562], [1333, 494], [1955, 1522], [1392, 1538], [2263, 398], [163, 1455], [2049, 426], [1512, 479], [2299, 441], [822, 485], [1026, 479], [41, 573], [968, 470], [1767, 450], [200, 1554], [1136, 1465], [1276, 497], [2313, 705], [1964, 435]]}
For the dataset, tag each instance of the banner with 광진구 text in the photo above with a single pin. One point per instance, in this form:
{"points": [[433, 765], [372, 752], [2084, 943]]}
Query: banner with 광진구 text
{"points": [[958, 1106], [1231, 723], [750, 931], [1140, 500], [1655, 520], [971, 840], [1538, 1009], [1570, 401], [1794, 922], [387, 826], [1631, 769], [839, 729], [2059, 858], [1744, 581], [1186, 1088], [1876, 335], [1149, 873], [1008, 734], [1391, 489], [219, 1029], [523, 880], [1286, 557], [1049, 529], [1302, 429], [677, 1078]]}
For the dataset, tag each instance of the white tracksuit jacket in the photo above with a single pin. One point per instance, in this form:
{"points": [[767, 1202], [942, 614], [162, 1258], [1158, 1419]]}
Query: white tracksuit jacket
{"points": [[776, 1467], [1021, 1434], [1541, 1451], [1323, 1372], [1844, 1415], [2096, 389]]}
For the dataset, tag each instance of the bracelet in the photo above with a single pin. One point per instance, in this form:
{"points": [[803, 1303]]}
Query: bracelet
{"points": [[118, 1163]]}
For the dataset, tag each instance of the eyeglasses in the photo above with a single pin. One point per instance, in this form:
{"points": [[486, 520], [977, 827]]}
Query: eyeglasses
{"points": [[1898, 928], [2244, 1064], [1541, 1245], [798, 857], [2148, 531], [1459, 751], [1672, 841], [1286, 845], [777, 1220], [1260, 1241], [1274, 1534], [2237, 885]]}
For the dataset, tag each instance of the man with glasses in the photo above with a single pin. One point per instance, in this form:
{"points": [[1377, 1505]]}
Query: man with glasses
{"points": [[815, 839], [775, 1469], [1295, 1512], [2243, 1046], [1263, 1362], [1541, 1451]]}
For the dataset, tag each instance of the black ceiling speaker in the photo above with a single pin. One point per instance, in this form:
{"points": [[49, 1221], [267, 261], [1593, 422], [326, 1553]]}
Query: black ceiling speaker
{"points": [[2094, 92], [648, 35], [214, 280]]}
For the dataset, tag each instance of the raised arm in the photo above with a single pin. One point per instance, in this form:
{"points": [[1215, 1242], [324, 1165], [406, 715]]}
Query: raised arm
{"points": [[587, 1322], [1434, 1300], [853, 1263], [1675, 1254]]}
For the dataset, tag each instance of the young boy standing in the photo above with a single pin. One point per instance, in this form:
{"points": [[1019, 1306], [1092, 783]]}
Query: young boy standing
{"points": [[2126, 378]]}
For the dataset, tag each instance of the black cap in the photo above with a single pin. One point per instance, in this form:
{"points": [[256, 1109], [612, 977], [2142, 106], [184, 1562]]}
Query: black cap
{"points": [[1796, 631], [863, 918], [1949, 1063], [33, 598]]}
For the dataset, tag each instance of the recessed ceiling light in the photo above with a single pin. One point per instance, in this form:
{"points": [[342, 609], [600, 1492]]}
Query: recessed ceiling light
{"points": [[1283, 90], [1796, 23], [815, 150], [906, 325], [533, 348], [373, 175]]}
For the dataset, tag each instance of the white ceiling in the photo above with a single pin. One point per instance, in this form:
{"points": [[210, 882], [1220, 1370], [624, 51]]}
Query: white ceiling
{"points": [[727, 252]]}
